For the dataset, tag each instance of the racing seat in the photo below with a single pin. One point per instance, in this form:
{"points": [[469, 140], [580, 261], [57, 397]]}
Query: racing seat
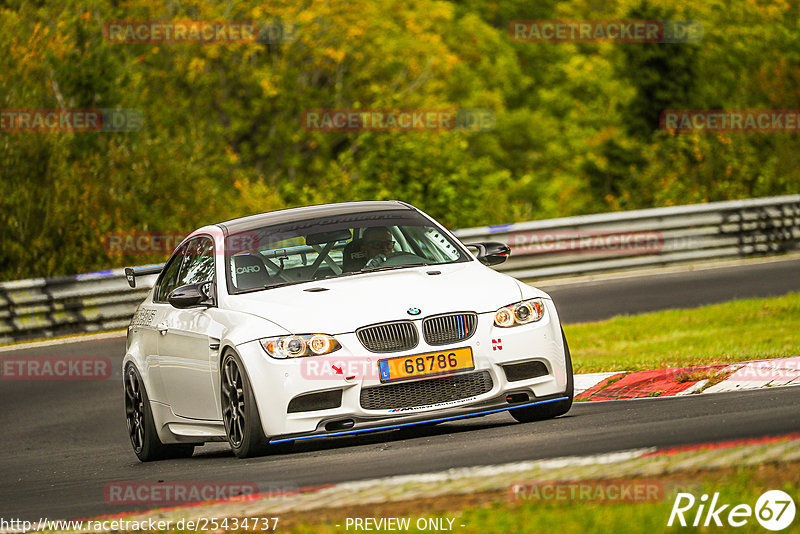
{"points": [[353, 258], [250, 271]]}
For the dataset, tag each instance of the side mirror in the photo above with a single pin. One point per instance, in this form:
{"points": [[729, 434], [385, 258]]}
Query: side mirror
{"points": [[192, 296], [491, 252]]}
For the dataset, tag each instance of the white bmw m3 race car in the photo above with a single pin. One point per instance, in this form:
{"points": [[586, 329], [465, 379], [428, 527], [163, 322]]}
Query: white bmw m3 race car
{"points": [[333, 320]]}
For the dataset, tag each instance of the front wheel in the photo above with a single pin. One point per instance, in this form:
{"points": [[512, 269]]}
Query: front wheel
{"points": [[551, 409], [239, 411], [142, 428]]}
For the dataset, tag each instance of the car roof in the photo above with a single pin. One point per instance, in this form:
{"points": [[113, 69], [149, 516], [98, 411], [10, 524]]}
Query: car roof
{"points": [[251, 222]]}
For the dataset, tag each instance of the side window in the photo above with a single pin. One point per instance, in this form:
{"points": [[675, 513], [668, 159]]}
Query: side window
{"points": [[198, 263], [169, 277]]}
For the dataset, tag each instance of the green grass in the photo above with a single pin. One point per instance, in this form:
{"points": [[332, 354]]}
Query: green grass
{"points": [[742, 485], [721, 333], [582, 517]]}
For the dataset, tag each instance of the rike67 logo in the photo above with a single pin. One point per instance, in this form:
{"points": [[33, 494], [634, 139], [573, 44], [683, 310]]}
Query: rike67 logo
{"points": [[774, 510]]}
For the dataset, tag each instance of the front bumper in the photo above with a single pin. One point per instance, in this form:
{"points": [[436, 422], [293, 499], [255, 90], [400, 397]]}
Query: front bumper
{"points": [[277, 382], [475, 410]]}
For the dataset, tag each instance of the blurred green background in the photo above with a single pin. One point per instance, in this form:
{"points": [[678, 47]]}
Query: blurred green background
{"points": [[576, 123]]}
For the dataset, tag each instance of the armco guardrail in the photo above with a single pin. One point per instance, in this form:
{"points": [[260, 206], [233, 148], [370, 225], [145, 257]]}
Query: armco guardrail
{"points": [[47, 307], [540, 249], [642, 238]]}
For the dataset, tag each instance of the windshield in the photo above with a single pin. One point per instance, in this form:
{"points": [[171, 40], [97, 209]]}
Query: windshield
{"points": [[330, 247]]}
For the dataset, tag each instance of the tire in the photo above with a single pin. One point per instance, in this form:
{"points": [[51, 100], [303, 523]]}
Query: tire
{"points": [[551, 409], [141, 428], [239, 411]]}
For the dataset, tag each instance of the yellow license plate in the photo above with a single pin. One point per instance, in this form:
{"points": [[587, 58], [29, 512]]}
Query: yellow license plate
{"points": [[428, 364]]}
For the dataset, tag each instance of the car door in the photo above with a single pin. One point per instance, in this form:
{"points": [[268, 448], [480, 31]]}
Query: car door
{"points": [[145, 325], [187, 359]]}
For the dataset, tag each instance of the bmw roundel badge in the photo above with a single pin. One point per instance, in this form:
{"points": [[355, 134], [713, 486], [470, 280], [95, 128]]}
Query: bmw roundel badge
{"points": [[414, 311]]}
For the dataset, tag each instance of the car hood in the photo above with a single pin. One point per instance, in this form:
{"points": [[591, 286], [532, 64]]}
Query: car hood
{"points": [[350, 302]]}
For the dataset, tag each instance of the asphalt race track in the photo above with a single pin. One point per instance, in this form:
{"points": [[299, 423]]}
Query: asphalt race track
{"points": [[594, 301], [63, 441]]}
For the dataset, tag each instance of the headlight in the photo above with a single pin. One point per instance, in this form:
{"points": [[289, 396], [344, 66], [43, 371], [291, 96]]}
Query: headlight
{"points": [[299, 346], [527, 311]]}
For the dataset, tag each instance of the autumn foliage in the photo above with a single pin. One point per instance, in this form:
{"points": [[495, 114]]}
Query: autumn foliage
{"points": [[576, 124]]}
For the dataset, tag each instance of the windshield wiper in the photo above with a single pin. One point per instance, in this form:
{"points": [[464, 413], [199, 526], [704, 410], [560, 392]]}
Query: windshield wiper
{"points": [[280, 284], [334, 276], [391, 268]]}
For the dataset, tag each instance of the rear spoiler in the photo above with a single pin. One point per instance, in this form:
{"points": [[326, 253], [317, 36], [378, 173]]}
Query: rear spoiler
{"points": [[131, 273]]}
